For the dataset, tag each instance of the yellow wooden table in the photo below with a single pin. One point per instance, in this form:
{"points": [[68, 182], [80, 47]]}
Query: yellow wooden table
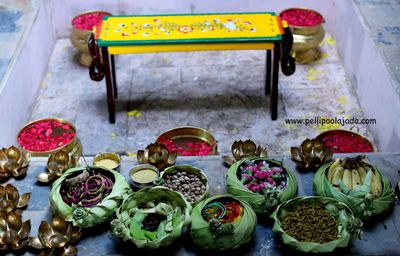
{"points": [[189, 32]]}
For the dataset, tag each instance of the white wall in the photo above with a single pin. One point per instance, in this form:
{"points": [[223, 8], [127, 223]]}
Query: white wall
{"points": [[29, 67], [375, 87], [66, 10]]}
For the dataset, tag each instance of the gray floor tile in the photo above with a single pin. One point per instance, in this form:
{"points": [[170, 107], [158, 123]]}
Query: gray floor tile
{"points": [[219, 91]]}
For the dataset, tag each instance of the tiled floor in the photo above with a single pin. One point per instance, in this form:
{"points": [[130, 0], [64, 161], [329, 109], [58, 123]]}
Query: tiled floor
{"points": [[219, 91]]}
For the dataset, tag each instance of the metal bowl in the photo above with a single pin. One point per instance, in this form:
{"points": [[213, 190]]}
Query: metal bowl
{"points": [[189, 134], [74, 147], [351, 133], [141, 167], [189, 170], [108, 156]]}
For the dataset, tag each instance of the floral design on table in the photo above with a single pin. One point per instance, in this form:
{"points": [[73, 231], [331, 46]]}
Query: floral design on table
{"points": [[194, 27], [159, 26]]}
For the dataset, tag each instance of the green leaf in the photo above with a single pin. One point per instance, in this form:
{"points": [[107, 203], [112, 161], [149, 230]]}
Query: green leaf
{"points": [[356, 198], [172, 203], [150, 235], [136, 230], [256, 200], [344, 188], [201, 231], [163, 209], [139, 217], [161, 229], [176, 216]]}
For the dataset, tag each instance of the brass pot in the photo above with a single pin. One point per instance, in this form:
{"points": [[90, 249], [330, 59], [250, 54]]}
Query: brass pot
{"points": [[306, 39], [79, 39], [74, 147], [189, 134], [328, 133]]}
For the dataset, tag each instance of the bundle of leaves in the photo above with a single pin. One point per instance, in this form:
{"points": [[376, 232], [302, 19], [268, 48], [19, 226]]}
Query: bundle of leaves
{"points": [[314, 224], [94, 214], [152, 217], [263, 188], [222, 222], [361, 198]]}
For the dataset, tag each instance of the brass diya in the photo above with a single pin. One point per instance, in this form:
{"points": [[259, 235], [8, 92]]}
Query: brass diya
{"points": [[57, 164], [13, 162], [10, 200], [14, 233], [108, 160], [242, 149], [311, 154], [56, 238], [157, 155]]}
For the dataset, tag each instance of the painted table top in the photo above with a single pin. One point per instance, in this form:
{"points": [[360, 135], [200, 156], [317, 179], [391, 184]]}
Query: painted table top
{"points": [[189, 28], [380, 238]]}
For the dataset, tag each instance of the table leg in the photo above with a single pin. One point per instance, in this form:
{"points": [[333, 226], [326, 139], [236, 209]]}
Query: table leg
{"points": [[268, 73], [114, 78], [109, 85], [275, 79]]}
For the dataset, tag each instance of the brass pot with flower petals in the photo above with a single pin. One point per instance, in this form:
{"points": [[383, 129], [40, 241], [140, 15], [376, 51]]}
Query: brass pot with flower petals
{"points": [[242, 149], [55, 238], [13, 162], [311, 154], [13, 232], [306, 26], [57, 164], [157, 155], [10, 200], [82, 26]]}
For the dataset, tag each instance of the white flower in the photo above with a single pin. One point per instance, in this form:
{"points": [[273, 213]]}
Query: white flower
{"points": [[230, 25]]}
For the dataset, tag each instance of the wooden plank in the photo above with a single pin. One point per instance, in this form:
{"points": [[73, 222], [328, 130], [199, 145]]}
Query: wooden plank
{"points": [[189, 29]]}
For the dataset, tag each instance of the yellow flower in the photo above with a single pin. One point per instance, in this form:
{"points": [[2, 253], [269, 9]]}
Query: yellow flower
{"points": [[135, 113]]}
